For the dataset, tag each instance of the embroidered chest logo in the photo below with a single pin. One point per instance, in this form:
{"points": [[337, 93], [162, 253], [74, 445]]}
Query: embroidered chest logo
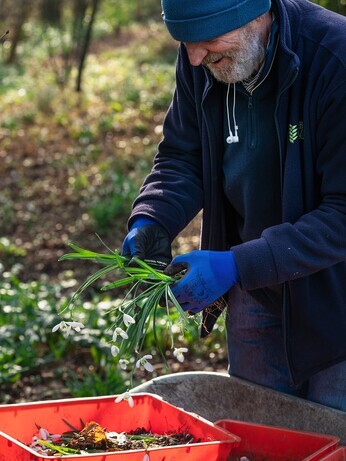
{"points": [[295, 132]]}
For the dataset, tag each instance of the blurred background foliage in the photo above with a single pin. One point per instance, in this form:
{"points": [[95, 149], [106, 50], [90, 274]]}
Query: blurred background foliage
{"points": [[339, 6], [84, 87]]}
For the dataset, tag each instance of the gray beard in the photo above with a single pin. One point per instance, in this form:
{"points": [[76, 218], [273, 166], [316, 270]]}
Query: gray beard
{"points": [[244, 62]]}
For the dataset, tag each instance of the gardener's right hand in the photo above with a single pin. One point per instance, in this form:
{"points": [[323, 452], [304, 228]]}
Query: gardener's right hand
{"points": [[148, 241]]}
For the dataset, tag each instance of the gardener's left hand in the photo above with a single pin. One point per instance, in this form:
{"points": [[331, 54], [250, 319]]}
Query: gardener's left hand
{"points": [[209, 275]]}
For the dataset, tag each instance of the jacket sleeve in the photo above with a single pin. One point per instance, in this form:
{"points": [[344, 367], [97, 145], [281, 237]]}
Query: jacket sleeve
{"points": [[172, 193], [317, 239]]}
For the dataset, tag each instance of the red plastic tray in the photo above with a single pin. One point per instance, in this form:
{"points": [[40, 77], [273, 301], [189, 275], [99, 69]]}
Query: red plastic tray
{"points": [[336, 455], [17, 426], [268, 443]]}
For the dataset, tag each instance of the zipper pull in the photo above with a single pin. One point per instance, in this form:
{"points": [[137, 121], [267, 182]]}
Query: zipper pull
{"points": [[249, 105]]}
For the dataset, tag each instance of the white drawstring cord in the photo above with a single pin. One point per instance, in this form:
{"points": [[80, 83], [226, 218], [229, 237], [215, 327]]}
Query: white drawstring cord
{"points": [[232, 137]]}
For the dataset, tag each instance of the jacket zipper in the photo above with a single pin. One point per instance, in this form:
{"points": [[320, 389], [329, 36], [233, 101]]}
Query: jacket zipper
{"points": [[270, 68], [285, 285], [250, 106], [250, 98], [252, 140], [205, 93]]}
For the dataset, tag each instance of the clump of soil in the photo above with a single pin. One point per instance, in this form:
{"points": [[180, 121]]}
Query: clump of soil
{"points": [[93, 438]]}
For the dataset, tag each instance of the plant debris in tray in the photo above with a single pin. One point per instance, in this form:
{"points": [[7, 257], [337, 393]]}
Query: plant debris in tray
{"points": [[93, 438]]}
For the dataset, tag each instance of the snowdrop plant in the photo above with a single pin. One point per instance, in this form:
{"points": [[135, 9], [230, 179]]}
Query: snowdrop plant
{"points": [[144, 362], [179, 353], [67, 327], [127, 397], [148, 290]]}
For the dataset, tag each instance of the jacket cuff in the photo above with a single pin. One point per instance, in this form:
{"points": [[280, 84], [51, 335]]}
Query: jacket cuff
{"points": [[164, 219], [255, 264]]}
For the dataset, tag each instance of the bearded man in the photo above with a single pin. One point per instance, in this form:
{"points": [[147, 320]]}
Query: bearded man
{"points": [[255, 137]]}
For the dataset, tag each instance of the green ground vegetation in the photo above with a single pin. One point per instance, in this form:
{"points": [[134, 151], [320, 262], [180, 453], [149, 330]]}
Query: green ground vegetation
{"points": [[71, 163]]}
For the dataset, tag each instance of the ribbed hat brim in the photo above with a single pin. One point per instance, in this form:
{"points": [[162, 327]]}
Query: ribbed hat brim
{"points": [[185, 28]]}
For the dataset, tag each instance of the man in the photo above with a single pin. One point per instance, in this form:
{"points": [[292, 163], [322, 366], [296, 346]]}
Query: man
{"points": [[255, 136]]}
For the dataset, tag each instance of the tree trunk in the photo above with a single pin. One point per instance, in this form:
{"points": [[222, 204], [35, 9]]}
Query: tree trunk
{"points": [[19, 15], [51, 11], [85, 44]]}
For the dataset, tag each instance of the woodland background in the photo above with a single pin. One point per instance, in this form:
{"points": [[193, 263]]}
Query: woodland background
{"points": [[84, 87]]}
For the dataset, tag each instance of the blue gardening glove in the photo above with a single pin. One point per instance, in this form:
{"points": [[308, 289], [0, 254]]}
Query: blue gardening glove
{"points": [[148, 241], [210, 274]]}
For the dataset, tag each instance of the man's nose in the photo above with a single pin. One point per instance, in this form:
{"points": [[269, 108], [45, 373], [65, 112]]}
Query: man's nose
{"points": [[196, 53]]}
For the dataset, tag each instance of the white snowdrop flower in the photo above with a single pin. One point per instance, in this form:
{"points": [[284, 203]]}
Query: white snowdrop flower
{"points": [[114, 350], [75, 325], [44, 434], [122, 438], [68, 326], [119, 331], [59, 326], [146, 457], [179, 353], [125, 396], [128, 320], [123, 364], [144, 362], [119, 437]]}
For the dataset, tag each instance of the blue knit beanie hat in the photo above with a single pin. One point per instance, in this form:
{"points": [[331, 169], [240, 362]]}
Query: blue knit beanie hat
{"points": [[200, 20]]}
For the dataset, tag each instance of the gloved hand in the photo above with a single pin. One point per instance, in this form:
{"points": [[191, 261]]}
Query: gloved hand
{"points": [[210, 274], [148, 241]]}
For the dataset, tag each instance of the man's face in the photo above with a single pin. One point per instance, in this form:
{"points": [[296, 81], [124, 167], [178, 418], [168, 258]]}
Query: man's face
{"points": [[234, 56]]}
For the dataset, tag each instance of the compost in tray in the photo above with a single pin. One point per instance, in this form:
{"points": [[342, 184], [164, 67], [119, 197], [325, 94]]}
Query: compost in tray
{"points": [[93, 438], [20, 422]]}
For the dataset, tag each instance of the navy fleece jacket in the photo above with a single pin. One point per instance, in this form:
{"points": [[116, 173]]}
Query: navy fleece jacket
{"points": [[307, 251]]}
